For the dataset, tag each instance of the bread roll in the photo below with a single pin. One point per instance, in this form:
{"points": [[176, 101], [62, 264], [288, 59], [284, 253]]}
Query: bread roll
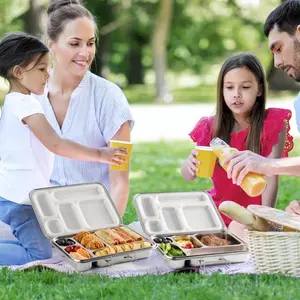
{"points": [[243, 215]]}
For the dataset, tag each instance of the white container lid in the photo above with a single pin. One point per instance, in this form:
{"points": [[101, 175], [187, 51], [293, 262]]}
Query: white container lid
{"points": [[177, 213], [66, 210]]}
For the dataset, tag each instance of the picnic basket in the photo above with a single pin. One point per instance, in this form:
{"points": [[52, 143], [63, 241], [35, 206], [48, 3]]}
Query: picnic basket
{"points": [[276, 251]]}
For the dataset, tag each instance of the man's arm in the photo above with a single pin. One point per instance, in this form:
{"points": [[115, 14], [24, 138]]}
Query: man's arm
{"points": [[286, 166], [240, 163]]}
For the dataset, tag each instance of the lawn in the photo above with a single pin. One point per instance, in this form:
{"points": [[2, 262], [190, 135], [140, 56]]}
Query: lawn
{"points": [[156, 168], [145, 94]]}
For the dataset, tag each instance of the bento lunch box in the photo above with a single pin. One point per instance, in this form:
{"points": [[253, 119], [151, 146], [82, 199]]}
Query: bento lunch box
{"points": [[82, 222], [188, 230]]}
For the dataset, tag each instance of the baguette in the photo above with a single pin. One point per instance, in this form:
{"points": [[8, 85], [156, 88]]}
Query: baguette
{"points": [[242, 215]]}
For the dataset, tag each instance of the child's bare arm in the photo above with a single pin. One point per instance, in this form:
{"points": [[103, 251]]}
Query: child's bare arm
{"points": [[270, 193], [190, 167], [42, 129]]}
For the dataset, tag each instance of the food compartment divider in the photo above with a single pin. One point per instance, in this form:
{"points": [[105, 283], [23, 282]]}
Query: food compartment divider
{"points": [[198, 217], [178, 213], [53, 227], [171, 219], [77, 192], [182, 219], [72, 217], [45, 205], [154, 226], [179, 199], [149, 209], [90, 211]]}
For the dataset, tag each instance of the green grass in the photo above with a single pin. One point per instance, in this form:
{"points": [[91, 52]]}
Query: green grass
{"points": [[156, 168], [145, 94], [51, 285]]}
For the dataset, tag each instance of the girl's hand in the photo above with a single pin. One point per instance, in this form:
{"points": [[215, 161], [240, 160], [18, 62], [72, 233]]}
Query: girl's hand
{"points": [[113, 155], [294, 207], [192, 163]]}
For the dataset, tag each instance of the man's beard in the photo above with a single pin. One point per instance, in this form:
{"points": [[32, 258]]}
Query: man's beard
{"points": [[297, 60]]}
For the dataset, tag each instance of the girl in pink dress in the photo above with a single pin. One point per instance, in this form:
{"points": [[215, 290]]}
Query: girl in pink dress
{"points": [[242, 121]]}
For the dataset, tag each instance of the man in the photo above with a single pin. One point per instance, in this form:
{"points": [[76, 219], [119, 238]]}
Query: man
{"points": [[282, 28]]}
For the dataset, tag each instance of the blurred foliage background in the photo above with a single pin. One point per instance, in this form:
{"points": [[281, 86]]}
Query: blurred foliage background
{"points": [[164, 50]]}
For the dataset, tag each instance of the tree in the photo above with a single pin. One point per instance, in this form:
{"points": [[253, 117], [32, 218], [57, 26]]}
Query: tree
{"points": [[35, 17], [159, 50], [135, 68], [105, 16], [10, 15]]}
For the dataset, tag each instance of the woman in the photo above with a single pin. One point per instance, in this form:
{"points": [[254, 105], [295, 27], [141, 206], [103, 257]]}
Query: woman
{"points": [[80, 105]]}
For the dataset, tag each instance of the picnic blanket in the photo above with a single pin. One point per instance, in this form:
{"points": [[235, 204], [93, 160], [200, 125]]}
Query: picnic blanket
{"points": [[151, 265]]}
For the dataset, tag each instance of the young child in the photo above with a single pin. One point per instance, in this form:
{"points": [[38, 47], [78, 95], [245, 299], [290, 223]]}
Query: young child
{"points": [[243, 122], [27, 140]]}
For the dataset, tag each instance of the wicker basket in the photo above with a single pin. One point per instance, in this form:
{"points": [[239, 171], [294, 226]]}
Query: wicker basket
{"points": [[275, 252]]}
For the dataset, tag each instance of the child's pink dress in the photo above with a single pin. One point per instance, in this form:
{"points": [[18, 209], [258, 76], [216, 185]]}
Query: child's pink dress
{"points": [[223, 188]]}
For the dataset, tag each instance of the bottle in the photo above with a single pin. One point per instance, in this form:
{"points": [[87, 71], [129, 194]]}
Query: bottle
{"points": [[253, 184]]}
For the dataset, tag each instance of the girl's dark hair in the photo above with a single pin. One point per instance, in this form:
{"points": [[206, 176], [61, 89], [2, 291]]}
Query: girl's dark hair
{"points": [[61, 12], [224, 120], [19, 49]]}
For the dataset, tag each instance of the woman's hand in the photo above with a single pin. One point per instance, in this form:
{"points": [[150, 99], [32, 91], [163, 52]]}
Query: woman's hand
{"points": [[112, 155]]}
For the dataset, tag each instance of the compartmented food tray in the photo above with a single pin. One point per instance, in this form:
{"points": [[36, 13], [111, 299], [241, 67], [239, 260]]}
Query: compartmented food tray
{"points": [[82, 221], [188, 229]]}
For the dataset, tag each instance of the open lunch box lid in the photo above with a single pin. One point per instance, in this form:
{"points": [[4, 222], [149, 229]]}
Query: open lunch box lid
{"points": [[276, 216], [177, 213], [66, 210]]}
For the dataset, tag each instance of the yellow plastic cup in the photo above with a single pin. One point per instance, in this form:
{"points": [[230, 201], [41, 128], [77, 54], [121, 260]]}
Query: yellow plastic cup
{"points": [[207, 158], [128, 145]]}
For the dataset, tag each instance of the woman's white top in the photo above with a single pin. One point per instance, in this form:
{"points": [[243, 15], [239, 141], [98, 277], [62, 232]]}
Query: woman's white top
{"points": [[25, 163], [96, 111]]}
